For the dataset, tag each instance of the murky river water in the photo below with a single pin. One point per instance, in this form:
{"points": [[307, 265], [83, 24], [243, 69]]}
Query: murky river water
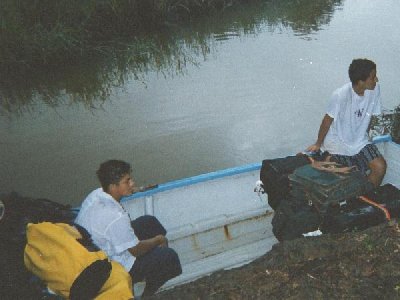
{"points": [[254, 94]]}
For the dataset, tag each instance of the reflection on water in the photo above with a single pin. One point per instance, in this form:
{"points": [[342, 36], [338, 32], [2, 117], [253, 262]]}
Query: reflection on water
{"points": [[93, 82], [169, 53], [306, 17], [237, 88]]}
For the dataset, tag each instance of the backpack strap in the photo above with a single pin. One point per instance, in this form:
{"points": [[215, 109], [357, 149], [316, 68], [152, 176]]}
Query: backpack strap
{"points": [[86, 240], [90, 281]]}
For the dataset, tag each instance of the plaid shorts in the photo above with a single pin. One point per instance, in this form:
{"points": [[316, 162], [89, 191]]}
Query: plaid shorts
{"points": [[361, 160]]}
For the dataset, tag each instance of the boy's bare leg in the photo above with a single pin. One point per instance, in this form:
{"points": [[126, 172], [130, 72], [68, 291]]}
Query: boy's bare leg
{"points": [[378, 170]]}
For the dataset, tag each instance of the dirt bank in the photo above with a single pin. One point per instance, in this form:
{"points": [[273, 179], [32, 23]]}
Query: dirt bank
{"points": [[360, 265]]}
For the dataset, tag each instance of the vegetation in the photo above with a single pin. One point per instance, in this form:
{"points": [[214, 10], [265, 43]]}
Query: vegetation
{"points": [[46, 32], [396, 125], [78, 51], [47, 47], [387, 123]]}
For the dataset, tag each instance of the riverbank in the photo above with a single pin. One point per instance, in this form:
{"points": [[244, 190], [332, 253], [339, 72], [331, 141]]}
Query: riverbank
{"points": [[359, 265]]}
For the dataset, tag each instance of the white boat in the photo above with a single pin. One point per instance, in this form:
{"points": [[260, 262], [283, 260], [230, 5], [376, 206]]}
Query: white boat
{"points": [[217, 221]]}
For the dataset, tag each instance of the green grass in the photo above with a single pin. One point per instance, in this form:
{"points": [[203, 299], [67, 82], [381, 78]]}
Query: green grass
{"points": [[52, 32]]}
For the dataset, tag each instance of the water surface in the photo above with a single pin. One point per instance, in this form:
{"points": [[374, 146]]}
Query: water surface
{"points": [[255, 85]]}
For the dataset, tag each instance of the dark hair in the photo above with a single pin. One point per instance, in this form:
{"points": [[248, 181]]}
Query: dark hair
{"points": [[360, 69], [111, 172]]}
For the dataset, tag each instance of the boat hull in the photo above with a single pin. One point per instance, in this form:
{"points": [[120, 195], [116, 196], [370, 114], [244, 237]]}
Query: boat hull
{"points": [[216, 221]]}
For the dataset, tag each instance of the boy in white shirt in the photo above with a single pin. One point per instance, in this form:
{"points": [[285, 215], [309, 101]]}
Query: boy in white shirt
{"points": [[140, 246], [344, 129]]}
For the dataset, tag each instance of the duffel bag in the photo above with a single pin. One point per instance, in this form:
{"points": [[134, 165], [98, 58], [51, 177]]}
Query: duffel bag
{"points": [[54, 254], [292, 219], [358, 215], [274, 176], [16, 212]]}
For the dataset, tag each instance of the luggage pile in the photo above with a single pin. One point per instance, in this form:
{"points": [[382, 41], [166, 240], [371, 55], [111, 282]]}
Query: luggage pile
{"points": [[15, 214], [41, 248], [306, 199]]}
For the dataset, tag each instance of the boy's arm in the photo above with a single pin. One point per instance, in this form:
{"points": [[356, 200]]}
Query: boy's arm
{"points": [[146, 245], [323, 130]]}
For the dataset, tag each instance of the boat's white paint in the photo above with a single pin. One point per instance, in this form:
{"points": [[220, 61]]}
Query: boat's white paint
{"points": [[216, 221]]}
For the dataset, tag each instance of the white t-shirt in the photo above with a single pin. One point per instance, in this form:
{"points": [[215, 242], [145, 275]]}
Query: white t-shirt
{"points": [[109, 225], [351, 115]]}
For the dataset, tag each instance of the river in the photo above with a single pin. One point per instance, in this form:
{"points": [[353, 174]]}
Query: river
{"points": [[247, 93]]}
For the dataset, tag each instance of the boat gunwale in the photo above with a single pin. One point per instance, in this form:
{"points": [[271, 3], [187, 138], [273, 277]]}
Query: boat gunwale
{"points": [[217, 175], [194, 180]]}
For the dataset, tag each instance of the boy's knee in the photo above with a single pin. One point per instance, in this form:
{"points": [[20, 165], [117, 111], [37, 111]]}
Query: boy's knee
{"points": [[378, 171], [145, 219], [378, 165], [147, 226]]}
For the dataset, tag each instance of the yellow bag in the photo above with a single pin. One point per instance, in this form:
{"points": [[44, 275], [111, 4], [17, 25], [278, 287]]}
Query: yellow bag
{"points": [[54, 254]]}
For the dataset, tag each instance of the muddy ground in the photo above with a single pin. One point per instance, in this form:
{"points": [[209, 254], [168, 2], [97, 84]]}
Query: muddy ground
{"points": [[359, 265]]}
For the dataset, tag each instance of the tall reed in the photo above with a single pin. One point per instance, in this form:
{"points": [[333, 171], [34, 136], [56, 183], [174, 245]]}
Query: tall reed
{"points": [[47, 32]]}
